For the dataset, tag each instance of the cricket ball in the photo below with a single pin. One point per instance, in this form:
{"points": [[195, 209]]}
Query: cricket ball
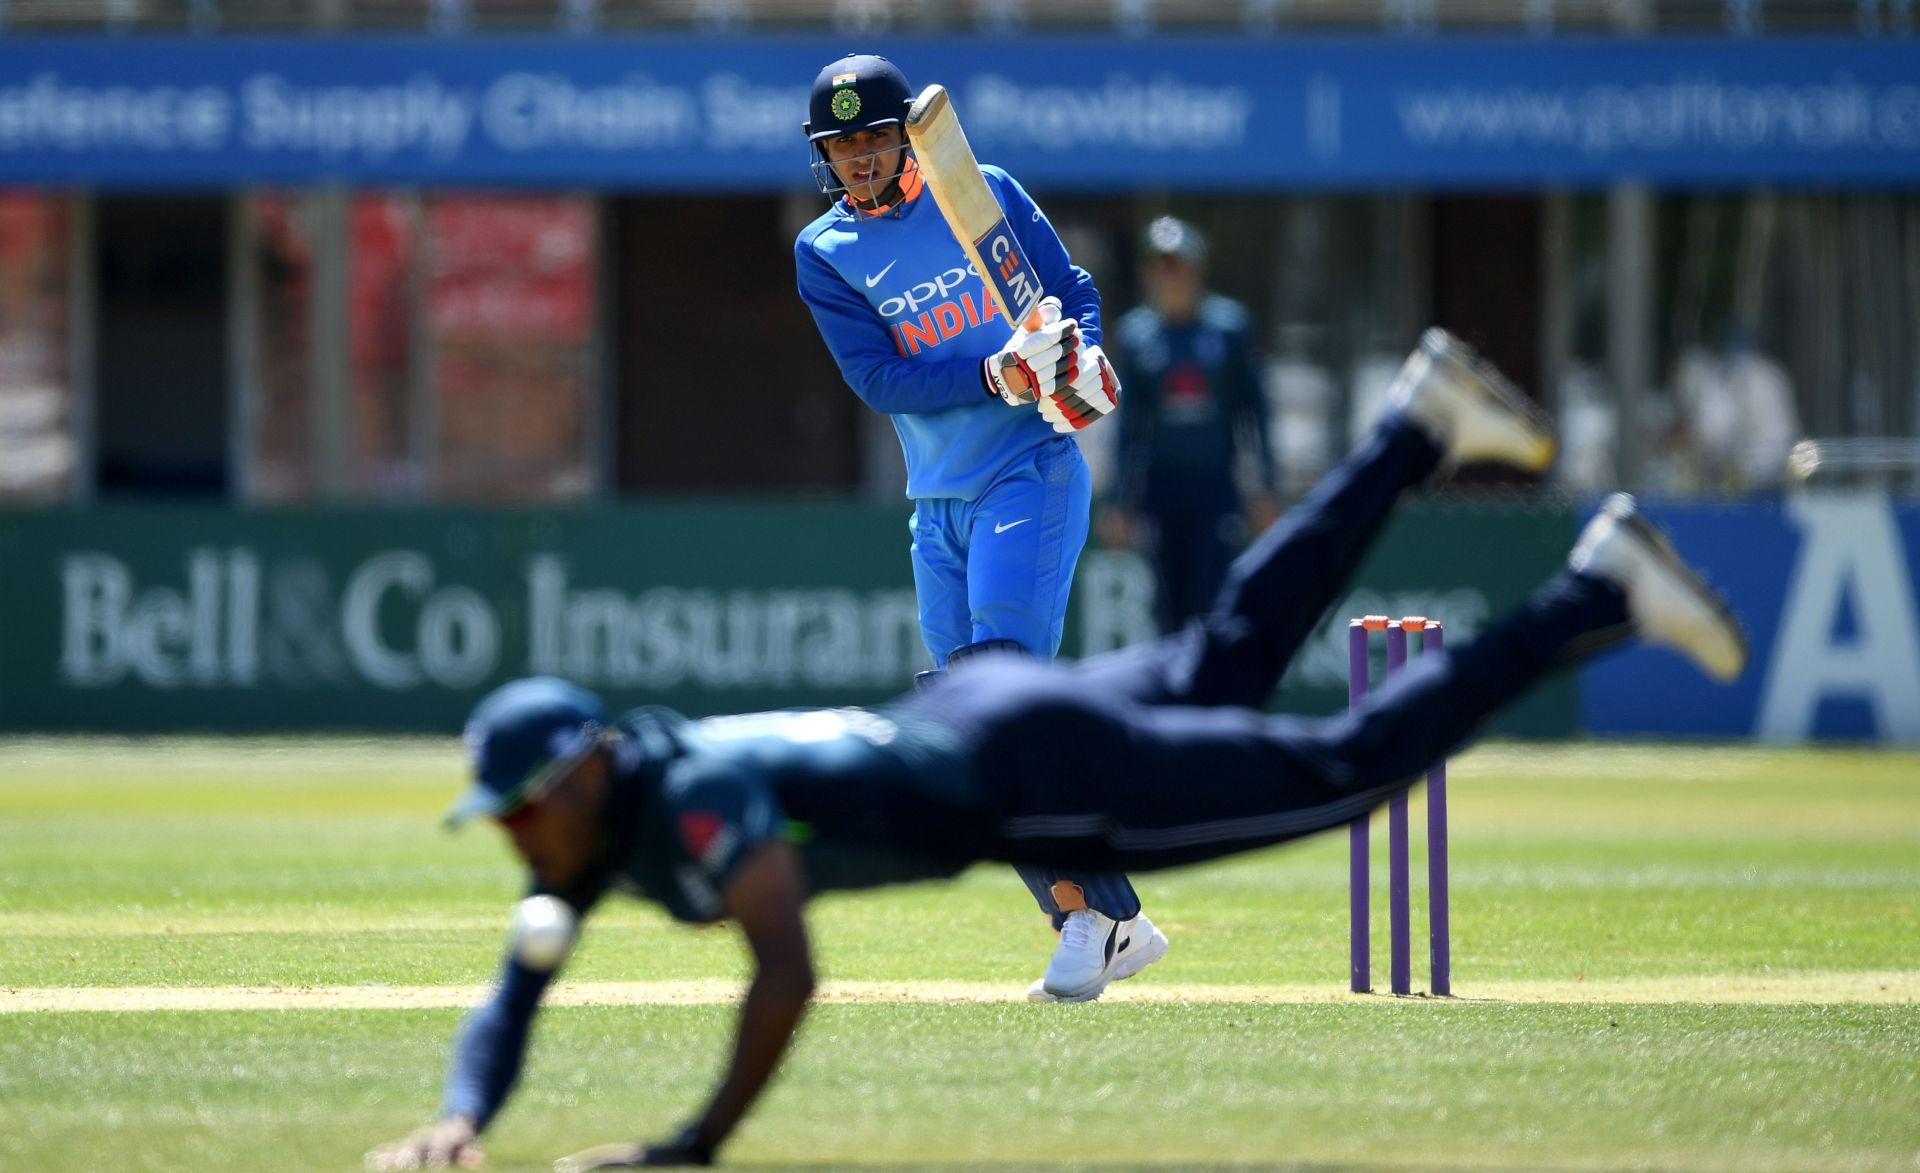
{"points": [[541, 932]]}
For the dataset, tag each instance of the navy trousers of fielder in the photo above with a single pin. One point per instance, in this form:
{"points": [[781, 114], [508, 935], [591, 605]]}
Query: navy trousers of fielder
{"points": [[1153, 756], [1191, 549], [997, 571]]}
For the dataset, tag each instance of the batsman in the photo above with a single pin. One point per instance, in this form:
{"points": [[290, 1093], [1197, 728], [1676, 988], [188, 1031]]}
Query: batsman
{"points": [[986, 415]]}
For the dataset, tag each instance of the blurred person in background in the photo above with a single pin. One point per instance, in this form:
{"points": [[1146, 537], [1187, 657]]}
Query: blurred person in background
{"points": [[1195, 468], [1739, 417]]}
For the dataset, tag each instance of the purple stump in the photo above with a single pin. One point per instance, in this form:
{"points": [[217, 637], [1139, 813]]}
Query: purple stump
{"points": [[1439, 951], [1399, 883], [1359, 880]]}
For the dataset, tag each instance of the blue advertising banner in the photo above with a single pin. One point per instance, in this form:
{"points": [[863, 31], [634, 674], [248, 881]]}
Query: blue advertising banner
{"points": [[1096, 113], [1825, 585]]}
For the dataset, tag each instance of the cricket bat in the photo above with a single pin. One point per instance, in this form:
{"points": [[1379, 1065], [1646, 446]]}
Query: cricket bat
{"points": [[978, 223]]}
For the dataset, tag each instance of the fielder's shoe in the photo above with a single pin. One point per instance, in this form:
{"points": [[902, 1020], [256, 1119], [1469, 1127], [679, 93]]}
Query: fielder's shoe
{"points": [[1095, 951], [1670, 603], [1469, 408]]}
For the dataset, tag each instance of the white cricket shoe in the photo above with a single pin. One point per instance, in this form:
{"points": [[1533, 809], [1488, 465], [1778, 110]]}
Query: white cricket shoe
{"points": [[1469, 408], [1669, 601], [1095, 951]]}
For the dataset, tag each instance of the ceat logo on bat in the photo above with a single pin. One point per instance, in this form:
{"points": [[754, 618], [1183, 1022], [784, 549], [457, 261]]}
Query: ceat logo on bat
{"points": [[1007, 270]]}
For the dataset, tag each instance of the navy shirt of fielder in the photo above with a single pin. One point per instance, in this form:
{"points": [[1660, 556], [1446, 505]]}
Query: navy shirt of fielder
{"points": [[1149, 757]]}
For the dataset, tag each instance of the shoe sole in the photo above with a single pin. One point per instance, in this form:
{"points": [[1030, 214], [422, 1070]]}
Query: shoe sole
{"points": [[1661, 548], [1152, 951], [1496, 387]]}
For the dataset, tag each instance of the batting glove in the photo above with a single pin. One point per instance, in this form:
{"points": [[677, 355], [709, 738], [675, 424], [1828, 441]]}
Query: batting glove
{"points": [[1038, 358], [1087, 398]]}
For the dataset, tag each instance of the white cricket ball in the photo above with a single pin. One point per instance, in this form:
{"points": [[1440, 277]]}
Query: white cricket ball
{"points": [[541, 932]]}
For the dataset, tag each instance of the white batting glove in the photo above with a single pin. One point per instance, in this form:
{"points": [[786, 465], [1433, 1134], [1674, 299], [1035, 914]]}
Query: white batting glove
{"points": [[1087, 398], [1037, 360]]}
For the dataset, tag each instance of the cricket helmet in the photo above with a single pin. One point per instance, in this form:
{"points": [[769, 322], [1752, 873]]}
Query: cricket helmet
{"points": [[856, 92], [520, 736]]}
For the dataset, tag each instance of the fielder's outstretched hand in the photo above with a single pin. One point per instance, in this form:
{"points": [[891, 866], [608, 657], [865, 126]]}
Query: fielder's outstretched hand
{"points": [[450, 1142], [681, 1150]]}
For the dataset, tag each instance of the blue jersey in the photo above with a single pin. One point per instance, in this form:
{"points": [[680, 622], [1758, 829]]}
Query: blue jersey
{"points": [[910, 324]]}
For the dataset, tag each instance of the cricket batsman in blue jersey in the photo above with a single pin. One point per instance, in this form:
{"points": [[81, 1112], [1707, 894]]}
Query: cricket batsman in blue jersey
{"points": [[1150, 757], [985, 416]]}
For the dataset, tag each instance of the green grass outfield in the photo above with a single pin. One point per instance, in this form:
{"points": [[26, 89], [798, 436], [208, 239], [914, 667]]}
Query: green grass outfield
{"points": [[248, 955]]}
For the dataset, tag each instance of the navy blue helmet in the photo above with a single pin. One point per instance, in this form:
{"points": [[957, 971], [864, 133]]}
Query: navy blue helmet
{"points": [[522, 734], [856, 92]]}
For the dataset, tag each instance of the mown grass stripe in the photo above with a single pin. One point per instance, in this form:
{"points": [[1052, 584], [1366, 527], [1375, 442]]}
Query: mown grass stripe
{"points": [[1893, 986]]}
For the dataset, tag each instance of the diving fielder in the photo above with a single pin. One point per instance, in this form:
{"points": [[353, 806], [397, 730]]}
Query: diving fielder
{"points": [[1149, 757], [1001, 495]]}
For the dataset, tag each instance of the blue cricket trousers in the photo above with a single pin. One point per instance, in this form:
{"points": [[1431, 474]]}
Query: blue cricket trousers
{"points": [[1001, 567]]}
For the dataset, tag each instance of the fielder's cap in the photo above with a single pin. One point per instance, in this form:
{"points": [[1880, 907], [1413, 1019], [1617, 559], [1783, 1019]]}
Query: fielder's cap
{"points": [[854, 93], [521, 736], [1169, 236]]}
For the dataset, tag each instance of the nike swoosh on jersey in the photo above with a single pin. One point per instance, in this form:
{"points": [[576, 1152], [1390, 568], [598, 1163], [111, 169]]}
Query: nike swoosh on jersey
{"points": [[1000, 529], [873, 279]]}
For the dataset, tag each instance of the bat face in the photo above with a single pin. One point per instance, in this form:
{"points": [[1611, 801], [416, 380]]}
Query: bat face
{"points": [[976, 219], [1007, 272]]}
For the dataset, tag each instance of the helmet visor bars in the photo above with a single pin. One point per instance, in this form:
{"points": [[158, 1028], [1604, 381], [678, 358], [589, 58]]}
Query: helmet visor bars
{"points": [[828, 179]]}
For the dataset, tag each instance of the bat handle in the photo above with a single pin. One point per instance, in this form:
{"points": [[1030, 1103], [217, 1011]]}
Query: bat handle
{"points": [[1044, 314]]}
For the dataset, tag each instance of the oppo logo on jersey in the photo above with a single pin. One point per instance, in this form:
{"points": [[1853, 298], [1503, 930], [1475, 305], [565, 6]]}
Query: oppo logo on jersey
{"points": [[925, 292], [942, 320]]}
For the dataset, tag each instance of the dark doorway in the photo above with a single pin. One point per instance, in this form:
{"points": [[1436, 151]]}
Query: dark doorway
{"points": [[1489, 288], [1487, 277], [723, 382], [161, 415]]}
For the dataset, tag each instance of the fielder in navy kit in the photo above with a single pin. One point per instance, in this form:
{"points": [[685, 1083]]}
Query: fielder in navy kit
{"points": [[1144, 758], [1001, 496], [1194, 428]]}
